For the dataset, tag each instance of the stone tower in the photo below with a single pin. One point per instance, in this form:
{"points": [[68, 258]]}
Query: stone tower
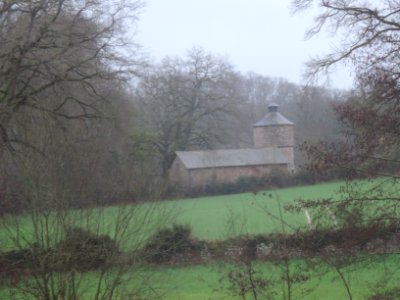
{"points": [[274, 130]]}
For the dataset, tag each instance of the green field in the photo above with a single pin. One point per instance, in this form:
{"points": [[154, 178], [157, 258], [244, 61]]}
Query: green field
{"points": [[211, 217], [219, 217], [202, 282], [216, 217], [208, 282]]}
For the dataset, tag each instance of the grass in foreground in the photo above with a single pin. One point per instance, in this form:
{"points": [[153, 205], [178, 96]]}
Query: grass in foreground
{"points": [[202, 282], [212, 218]]}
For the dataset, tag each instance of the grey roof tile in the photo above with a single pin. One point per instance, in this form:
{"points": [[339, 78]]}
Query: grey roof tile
{"points": [[273, 118], [231, 158]]}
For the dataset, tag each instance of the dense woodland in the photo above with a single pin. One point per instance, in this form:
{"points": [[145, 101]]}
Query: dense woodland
{"points": [[117, 142]]}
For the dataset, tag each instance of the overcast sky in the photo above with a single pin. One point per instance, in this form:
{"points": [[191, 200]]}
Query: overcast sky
{"points": [[254, 35]]}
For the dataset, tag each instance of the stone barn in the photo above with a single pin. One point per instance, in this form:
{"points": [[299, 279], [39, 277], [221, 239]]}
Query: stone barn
{"points": [[273, 152]]}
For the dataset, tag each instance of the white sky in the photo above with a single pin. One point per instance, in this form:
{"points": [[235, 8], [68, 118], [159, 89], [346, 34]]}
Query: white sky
{"points": [[255, 35]]}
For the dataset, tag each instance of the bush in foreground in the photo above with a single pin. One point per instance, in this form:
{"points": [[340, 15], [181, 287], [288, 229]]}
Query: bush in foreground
{"points": [[80, 250], [170, 243], [84, 250]]}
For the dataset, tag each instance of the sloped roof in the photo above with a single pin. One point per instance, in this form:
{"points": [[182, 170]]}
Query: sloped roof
{"points": [[231, 158], [273, 117]]}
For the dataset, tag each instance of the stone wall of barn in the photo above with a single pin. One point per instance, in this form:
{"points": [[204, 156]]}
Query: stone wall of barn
{"points": [[273, 136], [280, 136], [199, 178], [178, 174], [289, 153]]}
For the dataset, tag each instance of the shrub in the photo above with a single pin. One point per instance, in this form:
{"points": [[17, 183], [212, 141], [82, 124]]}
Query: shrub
{"points": [[217, 188], [81, 250], [254, 184], [10, 204], [84, 250], [168, 243], [15, 264], [243, 184], [249, 249]]}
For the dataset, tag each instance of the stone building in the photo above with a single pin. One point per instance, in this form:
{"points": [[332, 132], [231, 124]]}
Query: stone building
{"points": [[273, 152]]}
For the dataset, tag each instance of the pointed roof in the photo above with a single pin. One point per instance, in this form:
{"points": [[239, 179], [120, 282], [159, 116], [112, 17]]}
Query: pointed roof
{"points": [[273, 117], [231, 158]]}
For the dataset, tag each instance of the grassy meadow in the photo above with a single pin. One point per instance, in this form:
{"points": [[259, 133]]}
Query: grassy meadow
{"points": [[204, 281], [219, 217], [211, 218], [209, 282]]}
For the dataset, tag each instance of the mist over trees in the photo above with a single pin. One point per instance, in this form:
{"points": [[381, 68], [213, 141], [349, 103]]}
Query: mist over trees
{"points": [[370, 116], [201, 102], [62, 95], [67, 101], [186, 103], [65, 111]]}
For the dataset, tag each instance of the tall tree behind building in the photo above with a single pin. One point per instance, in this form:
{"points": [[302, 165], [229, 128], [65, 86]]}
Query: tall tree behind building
{"points": [[186, 103]]}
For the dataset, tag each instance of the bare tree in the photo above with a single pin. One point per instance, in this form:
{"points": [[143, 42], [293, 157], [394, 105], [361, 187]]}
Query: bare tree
{"points": [[370, 115], [56, 54], [370, 31], [62, 105], [185, 103], [369, 146]]}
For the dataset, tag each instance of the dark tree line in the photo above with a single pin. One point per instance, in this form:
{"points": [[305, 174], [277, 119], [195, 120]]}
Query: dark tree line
{"points": [[65, 116], [64, 103]]}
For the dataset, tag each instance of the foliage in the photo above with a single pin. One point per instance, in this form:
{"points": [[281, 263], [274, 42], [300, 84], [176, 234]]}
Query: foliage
{"points": [[370, 114], [83, 250], [370, 28], [370, 142], [59, 248], [243, 184], [64, 103], [185, 102], [255, 184], [80, 251], [244, 280], [56, 56], [168, 243]]}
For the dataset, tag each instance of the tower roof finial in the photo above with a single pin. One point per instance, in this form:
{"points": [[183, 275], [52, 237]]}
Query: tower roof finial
{"points": [[273, 107], [273, 117]]}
